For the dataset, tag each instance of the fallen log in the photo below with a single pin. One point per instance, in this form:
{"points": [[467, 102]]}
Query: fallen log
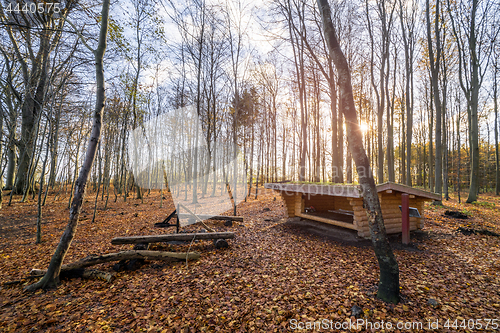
{"points": [[131, 265], [171, 237], [214, 217], [78, 273], [207, 228], [128, 255], [68, 274], [96, 274], [192, 220], [21, 280]]}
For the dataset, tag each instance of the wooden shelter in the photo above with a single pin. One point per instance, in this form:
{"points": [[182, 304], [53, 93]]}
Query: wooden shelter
{"points": [[342, 205]]}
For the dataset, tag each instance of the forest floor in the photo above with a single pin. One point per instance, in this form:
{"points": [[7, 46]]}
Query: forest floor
{"points": [[275, 275]]}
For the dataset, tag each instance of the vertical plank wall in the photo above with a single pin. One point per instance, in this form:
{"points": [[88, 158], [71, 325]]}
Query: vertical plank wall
{"points": [[390, 209]]}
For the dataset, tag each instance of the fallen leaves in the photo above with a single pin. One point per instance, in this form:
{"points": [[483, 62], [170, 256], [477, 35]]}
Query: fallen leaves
{"points": [[271, 273]]}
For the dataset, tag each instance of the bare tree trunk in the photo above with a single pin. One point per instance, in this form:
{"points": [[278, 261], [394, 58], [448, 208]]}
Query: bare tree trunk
{"points": [[51, 278], [42, 179], [251, 152], [388, 289], [198, 109], [40, 193], [407, 32], [99, 171], [340, 142], [474, 98], [445, 133], [386, 23], [298, 54], [497, 154], [459, 148], [73, 182], [284, 153], [434, 64], [390, 120], [11, 166], [469, 62], [2, 156], [333, 109], [54, 146], [10, 146], [431, 142], [445, 156]]}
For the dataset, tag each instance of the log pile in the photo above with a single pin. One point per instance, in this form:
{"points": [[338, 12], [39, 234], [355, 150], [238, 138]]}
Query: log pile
{"points": [[78, 268], [132, 259]]}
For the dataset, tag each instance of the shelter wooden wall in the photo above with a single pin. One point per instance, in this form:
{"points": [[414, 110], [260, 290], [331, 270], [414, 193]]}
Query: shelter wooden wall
{"points": [[389, 201]]}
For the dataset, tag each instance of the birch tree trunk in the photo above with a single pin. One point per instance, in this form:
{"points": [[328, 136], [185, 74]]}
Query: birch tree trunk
{"points": [[388, 289], [51, 278]]}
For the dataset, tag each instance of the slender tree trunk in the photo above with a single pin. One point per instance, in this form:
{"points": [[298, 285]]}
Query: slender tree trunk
{"points": [[1, 173], [473, 106], [431, 142], [303, 126], [402, 145], [468, 60], [40, 192], [73, 181], [390, 121], [434, 65], [252, 152], [388, 289], [340, 141], [408, 49], [445, 155], [31, 109], [198, 109], [11, 164], [54, 147], [99, 170], [284, 153], [298, 54], [497, 154], [333, 109], [459, 163], [51, 278]]}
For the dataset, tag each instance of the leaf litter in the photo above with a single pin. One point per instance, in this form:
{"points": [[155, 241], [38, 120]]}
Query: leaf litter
{"points": [[272, 272]]}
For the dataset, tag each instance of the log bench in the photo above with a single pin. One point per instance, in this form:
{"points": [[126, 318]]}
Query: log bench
{"points": [[342, 212]]}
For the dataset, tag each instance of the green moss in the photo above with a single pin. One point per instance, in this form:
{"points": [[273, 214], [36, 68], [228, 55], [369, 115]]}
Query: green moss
{"points": [[484, 204]]}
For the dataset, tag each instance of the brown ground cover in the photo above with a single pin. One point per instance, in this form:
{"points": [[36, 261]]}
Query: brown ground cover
{"points": [[272, 274]]}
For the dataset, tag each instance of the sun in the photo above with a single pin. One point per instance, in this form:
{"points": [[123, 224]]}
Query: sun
{"points": [[363, 127]]}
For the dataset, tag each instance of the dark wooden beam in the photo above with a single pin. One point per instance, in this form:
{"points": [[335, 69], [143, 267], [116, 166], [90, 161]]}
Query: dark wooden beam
{"points": [[214, 217], [171, 237]]}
